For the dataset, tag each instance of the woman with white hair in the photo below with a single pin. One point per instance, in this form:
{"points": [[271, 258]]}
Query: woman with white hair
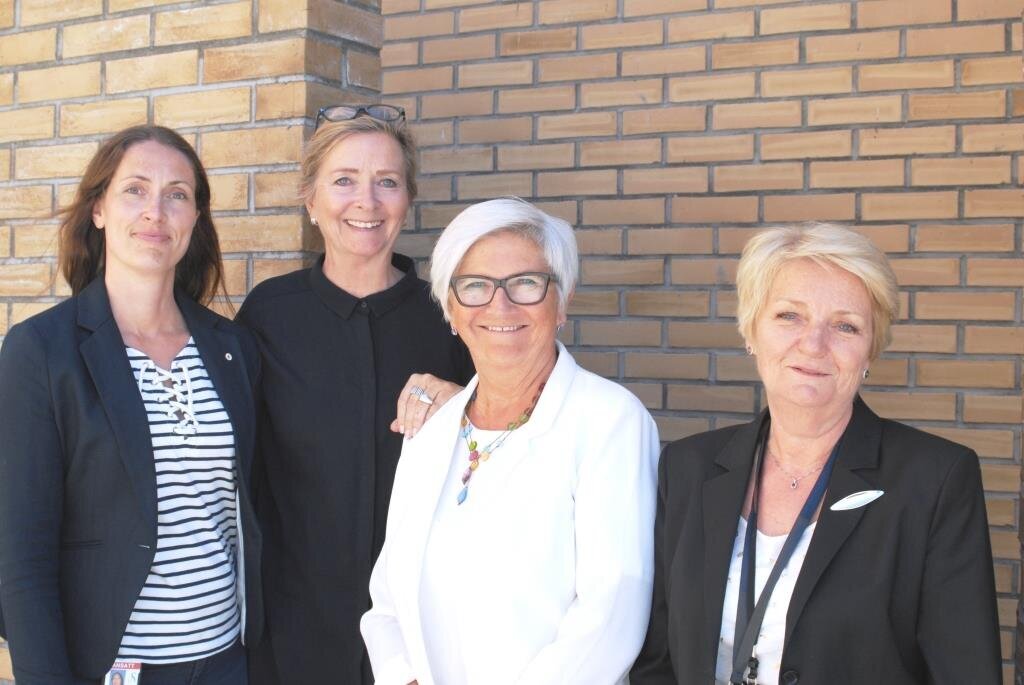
{"points": [[819, 543], [519, 546]]}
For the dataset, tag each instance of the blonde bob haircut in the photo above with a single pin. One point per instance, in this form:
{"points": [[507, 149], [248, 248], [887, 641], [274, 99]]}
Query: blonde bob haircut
{"points": [[829, 245], [333, 132], [505, 215]]}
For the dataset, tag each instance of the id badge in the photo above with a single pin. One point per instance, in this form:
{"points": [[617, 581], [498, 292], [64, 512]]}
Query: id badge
{"points": [[124, 673]]}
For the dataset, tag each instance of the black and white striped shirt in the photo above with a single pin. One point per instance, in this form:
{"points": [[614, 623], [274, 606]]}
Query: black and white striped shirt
{"points": [[188, 608]]}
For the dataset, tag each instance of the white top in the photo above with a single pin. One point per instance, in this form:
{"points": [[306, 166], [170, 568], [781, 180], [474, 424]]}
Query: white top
{"points": [[773, 628], [188, 608], [550, 561]]}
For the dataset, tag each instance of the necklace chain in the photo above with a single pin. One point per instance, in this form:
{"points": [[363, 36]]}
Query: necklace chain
{"points": [[477, 456], [794, 480]]}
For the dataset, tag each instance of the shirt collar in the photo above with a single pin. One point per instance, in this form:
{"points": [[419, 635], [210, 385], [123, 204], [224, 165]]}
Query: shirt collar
{"points": [[344, 304]]}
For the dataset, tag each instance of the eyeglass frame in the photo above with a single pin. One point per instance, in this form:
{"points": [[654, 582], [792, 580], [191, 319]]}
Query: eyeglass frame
{"points": [[361, 110], [500, 283]]}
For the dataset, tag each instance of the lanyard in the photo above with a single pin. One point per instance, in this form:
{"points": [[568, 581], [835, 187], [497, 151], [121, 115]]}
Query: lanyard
{"points": [[748, 616]]}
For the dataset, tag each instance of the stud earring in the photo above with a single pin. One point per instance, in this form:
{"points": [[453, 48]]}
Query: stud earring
{"points": [[314, 221], [454, 332], [865, 374], [750, 350]]}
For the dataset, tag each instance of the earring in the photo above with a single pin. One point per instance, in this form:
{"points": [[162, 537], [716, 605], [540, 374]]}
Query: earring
{"points": [[454, 332], [313, 220], [865, 374], [560, 326], [750, 350]]}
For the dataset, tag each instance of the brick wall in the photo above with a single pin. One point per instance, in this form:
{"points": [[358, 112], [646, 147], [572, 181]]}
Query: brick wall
{"points": [[238, 78], [668, 130]]}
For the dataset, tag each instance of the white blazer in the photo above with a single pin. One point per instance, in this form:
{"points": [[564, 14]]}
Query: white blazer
{"points": [[559, 571]]}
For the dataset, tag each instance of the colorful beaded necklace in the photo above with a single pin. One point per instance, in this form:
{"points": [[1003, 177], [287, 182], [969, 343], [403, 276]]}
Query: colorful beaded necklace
{"points": [[477, 456]]}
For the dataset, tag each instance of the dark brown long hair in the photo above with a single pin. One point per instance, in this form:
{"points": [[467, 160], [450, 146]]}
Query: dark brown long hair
{"points": [[199, 273]]}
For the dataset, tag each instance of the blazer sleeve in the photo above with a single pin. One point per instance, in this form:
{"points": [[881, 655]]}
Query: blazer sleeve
{"points": [[654, 665], [603, 628], [31, 510], [958, 626]]}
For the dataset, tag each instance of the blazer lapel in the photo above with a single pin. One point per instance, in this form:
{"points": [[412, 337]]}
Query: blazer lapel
{"points": [[104, 355], [722, 501], [858, 450]]}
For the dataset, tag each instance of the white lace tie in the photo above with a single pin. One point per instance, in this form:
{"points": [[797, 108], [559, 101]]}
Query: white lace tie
{"points": [[179, 404]]}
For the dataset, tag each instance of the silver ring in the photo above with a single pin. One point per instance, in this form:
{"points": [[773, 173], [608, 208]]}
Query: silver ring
{"points": [[416, 391], [425, 398]]}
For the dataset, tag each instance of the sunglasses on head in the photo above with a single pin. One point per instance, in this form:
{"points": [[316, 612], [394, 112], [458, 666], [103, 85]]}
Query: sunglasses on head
{"points": [[346, 112]]}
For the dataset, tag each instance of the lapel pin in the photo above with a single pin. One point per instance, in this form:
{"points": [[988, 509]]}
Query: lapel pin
{"points": [[857, 499], [227, 355]]}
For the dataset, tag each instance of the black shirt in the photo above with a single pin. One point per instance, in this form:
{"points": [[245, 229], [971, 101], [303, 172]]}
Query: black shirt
{"points": [[333, 366]]}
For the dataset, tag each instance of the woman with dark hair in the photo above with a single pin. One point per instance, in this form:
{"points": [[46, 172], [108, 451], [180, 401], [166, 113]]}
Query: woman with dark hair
{"points": [[126, 527]]}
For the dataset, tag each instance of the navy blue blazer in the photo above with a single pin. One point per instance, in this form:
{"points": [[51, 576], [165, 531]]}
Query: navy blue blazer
{"points": [[78, 511]]}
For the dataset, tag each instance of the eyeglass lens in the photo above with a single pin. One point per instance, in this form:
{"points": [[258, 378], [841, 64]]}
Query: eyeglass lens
{"points": [[346, 112], [476, 291]]}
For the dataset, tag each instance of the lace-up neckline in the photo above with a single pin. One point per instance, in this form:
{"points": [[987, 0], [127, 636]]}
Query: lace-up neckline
{"points": [[173, 388]]}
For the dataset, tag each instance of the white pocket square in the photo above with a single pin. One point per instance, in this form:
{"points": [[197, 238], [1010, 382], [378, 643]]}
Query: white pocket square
{"points": [[857, 499]]}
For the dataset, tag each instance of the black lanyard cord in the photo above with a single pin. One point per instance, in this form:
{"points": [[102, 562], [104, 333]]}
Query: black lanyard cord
{"points": [[749, 616]]}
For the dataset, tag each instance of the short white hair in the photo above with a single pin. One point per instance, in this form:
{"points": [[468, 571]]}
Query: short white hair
{"points": [[512, 215]]}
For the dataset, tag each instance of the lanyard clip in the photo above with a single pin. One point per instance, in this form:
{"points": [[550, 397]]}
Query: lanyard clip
{"points": [[751, 678]]}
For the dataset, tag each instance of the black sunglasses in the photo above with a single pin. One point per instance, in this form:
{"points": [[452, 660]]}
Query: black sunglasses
{"points": [[346, 112]]}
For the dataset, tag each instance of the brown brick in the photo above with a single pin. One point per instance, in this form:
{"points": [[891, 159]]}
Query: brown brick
{"points": [[30, 280], [971, 306], [622, 272], [229, 192], [733, 209], [26, 124], [922, 338], [918, 271], [25, 202], [990, 70], [260, 233], [667, 303], [724, 87], [253, 60], [663, 61], [419, 26], [503, 15], [905, 141], [994, 203], [600, 241], [410, 80], [666, 365], [487, 186], [905, 75], [855, 47], [960, 171], [35, 241], [621, 212], [832, 207], [663, 120], [280, 145], [755, 54], [1000, 478], [49, 11], [735, 367], [546, 98], [620, 152], [457, 104], [457, 159], [105, 116], [694, 240], [960, 238], [493, 130], [407, 54], [621, 92], [769, 176], [971, 105], [993, 409], [225, 106], [892, 372], [494, 74], [955, 40], [904, 205], [25, 47], [855, 110], [436, 188], [553, 156], [688, 271], [153, 71], [292, 99], [124, 5], [55, 83], [665, 180], [5, 175], [804, 145], [811, 18], [994, 340], [710, 148], [876, 13], [5, 251], [113, 35], [514, 43], [594, 302], [620, 333], [636, 8], [782, 113], [711, 398], [6, 21], [671, 428], [576, 125], [704, 334], [6, 90], [577, 68], [965, 373], [363, 69], [602, 363], [857, 174], [575, 11], [970, 10], [806, 82], [624, 34], [987, 271], [569, 183], [648, 393], [993, 138], [53, 161], [887, 237], [216, 22], [710, 26], [347, 22], [915, 406]]}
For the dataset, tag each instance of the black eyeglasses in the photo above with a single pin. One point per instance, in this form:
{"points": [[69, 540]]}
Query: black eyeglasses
{"points": [[525, 288], [346, 112]]}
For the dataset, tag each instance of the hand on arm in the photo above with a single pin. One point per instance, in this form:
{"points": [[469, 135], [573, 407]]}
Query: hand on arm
{"points": [[412, 411]]}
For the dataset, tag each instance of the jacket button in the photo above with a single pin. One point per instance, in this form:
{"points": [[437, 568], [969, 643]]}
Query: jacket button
{"points": [[790, 677]]}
